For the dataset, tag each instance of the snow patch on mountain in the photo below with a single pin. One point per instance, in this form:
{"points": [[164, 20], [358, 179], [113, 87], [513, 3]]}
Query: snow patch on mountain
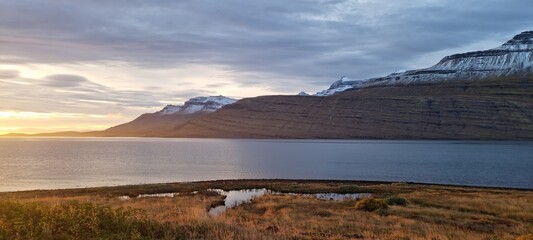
{"points": [[341, 85], [513, 57], [198, 104], [170, 109]]}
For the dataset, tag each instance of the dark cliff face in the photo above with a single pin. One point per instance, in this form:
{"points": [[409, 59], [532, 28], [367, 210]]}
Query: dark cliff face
{"points": [[522, 38], [484, 109], [517, 44], [486, 53]]}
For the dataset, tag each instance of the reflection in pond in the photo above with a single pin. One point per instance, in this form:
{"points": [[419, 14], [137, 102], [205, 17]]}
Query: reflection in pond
{"points": [[154, 195], [161, 195], [335, 196], [237, 197]]}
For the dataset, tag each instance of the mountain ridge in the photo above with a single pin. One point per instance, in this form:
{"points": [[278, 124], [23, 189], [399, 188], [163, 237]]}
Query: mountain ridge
{"points": [[496, 109], [513, 57], [475, 95]]}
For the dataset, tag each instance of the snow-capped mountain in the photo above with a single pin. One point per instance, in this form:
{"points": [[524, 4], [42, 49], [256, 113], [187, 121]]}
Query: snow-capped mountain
{"points": [[170, 109], [198, 104], [340, 85], [513, 57]]}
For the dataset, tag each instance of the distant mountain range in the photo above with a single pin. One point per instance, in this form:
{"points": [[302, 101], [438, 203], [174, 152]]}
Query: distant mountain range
{"points": [[476, 95], [512, 58]]}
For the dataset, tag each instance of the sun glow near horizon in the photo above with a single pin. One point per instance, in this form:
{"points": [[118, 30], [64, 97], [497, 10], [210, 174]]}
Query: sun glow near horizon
{"points": [[38, 115], [38, 122], [41, 97]]}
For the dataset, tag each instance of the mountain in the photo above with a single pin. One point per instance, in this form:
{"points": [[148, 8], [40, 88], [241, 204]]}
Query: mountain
{"points": [[513, 57], [499, 108], [476, 95], [163, 122], [198, 105]]}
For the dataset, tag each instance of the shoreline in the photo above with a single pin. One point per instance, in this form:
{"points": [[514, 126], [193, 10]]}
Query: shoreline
{"points": [[51, 135], [235, 183], [392, 211]]}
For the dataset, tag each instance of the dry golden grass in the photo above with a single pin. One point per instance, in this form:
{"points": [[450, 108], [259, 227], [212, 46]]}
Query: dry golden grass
{"points": [[433, 212]]}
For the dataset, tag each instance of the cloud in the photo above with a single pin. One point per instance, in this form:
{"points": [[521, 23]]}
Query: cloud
{"points": [[73, 94], [8, 74], [65, 81], [297, 40]]}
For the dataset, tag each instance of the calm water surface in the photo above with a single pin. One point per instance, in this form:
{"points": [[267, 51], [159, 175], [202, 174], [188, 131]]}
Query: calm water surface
{"points": [[235, 198], [49, 163]]}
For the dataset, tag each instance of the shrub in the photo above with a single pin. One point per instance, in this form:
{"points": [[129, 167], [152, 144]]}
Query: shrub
{"points": [[75, 220], [349, 189], [525, 237], [371, 204], [396, 201]]}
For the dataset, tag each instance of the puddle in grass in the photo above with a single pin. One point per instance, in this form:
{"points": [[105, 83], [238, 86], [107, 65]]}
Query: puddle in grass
{"points": [[154, 195], [160, 195], [335, 196], [237, 197]]}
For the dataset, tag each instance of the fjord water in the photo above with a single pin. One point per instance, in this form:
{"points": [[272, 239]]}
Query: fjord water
{"points": [[50, 163]]}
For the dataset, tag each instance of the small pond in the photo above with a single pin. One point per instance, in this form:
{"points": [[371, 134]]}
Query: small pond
{"points": [[237, 197]]}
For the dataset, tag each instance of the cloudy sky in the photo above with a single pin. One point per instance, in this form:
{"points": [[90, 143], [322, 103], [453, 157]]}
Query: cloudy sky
{"points": [[87, 65]]}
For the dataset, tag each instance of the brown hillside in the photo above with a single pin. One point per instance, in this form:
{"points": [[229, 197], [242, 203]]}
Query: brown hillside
{"points": [[484, 109]]}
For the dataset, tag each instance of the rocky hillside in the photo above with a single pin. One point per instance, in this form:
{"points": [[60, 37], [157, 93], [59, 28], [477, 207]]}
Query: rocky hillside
{"points": [[500, 108], [513, 57]]}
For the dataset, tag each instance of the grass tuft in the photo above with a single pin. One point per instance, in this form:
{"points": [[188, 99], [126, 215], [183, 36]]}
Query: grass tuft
{"points": [[73, 220], [394, 200], [371, 204]]}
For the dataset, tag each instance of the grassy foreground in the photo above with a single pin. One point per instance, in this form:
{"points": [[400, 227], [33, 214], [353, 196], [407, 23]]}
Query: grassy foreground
{"points": [[397, 211]]}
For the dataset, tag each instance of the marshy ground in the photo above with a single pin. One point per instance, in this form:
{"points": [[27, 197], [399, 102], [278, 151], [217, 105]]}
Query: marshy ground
{"points": [[395, 211]]}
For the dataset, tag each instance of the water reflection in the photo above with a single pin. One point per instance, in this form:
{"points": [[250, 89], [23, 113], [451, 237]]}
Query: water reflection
{"points": [[160, 195], [335, 196], [237, 197], [154, 195], [51, 163]]}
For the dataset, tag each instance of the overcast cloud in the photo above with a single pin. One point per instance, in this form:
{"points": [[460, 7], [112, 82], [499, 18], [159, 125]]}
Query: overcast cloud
{"points": [[278, 46], [315, 39]]}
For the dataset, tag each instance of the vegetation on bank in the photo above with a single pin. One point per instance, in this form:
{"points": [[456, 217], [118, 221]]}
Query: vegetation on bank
{"points": [[396, 211], [74, 220]]}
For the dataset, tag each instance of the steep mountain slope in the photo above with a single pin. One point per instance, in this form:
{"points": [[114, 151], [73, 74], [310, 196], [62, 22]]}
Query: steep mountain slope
{"points": [[164, 122], [148, 125], [500, 108], [513, 57]]}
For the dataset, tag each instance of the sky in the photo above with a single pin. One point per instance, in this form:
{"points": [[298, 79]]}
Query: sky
{"points": [[88, 65]]}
